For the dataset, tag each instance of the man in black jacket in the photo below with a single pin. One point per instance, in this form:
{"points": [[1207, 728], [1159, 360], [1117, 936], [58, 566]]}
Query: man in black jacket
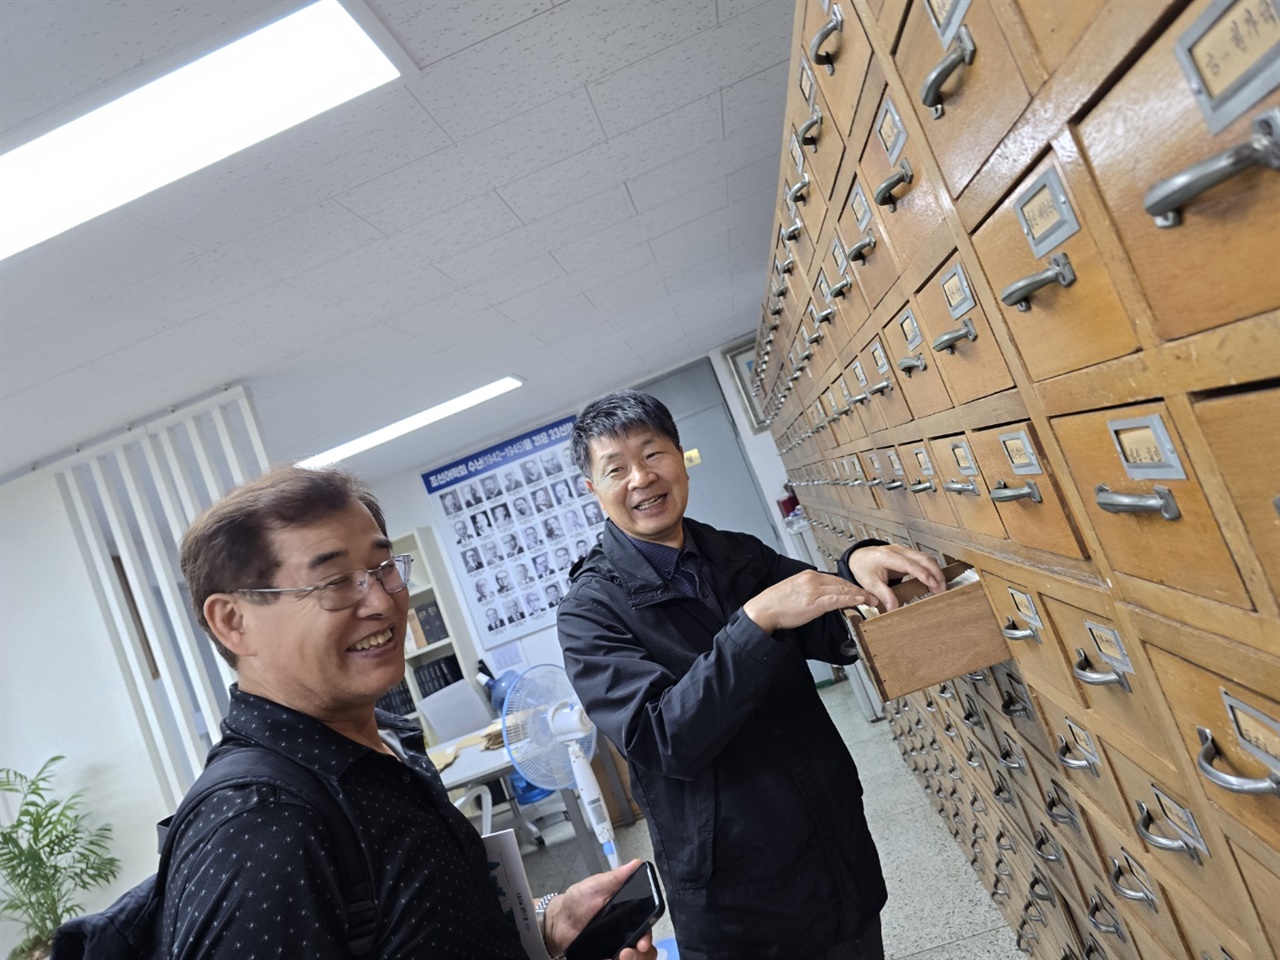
{"points": [[687, 646]]}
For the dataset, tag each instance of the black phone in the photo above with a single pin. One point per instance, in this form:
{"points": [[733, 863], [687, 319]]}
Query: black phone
{"points": [[623, 920]]}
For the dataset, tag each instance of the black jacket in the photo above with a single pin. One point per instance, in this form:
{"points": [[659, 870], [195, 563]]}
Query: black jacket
{"points": [[752, 799]]}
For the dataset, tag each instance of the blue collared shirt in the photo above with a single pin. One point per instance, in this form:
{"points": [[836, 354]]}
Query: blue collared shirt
{"points": [[682, 567]]}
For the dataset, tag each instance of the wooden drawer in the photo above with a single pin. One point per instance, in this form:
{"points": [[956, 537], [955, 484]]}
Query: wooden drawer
{"points": [[1024, 489], [1054, 27], [834, 286], [1103, 924], [886, 396], [926, 484], [962, 481], [1080, 754], [871, 256], [818, 324], [981, 92], [1243, 430], [836, 53], [1111, 680], [898, 183], [930, 640], [1263, 884], [1061, 328], [1177, 833], [1133, 459], [1012, 760], [918, 373], [872, 414], [1212, 931], [958, 336], [893, 494], [1233, 694], [848, 425], [815, 144], [1226, 232], [1018, 711], [1034, 642]]}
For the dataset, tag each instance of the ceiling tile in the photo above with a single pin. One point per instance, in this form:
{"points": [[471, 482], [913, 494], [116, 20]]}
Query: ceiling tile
{"points": [[761, 97], [431, 30]]}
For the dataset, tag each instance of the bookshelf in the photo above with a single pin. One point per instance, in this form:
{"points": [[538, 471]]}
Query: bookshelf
{"points": [[438, 645]]}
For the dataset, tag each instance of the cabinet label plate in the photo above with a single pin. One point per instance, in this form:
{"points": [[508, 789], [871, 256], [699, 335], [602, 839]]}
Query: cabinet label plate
{"points": [[1020, 453], [910, 330], [1106, 640], [1182, 819], [894, 461], [1045, 214], [861, 209], [964, 458], [877, 354], [857, 372], [1027, 607], [955, 289], [946, 17], [1259, 734], [922, 460], [1231, 57], [1146, 448], [889, 128]]}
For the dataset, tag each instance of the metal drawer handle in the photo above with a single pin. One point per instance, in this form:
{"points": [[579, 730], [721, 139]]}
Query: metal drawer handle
{"points": [[894, 485], [1011, 706], [860, 249], [884, 386], [787, 265], [1028, 932], [962, 51], [922, 486], [1095, 908], [950, 730], [1002, 794], [838, 290], [946, 342], [877, 482], [1018, 294], [1159, 501], [795, 376], [1010, 631], [775, 308], [1010, 761], [816, 338], [1018, 942], [1044, 840], [1141, 895], [978, 833], [1084, 672], [1143, 824], [1165, 200], [1004, 843], [944, 690], [973, 760], [976, 803], [797, 193], [971, 719], [954, 772], [999, 890], [1003, 493], [854, 483], [805, 357], [1003, 868], [884, 193], [815, 45], [1065, 758], [956, 487], [1031, 910], [824, 317], [978, 676], [793, 231], [860, 398], [1047, 896], [909, 364], [780, 290], [805, 133], [1269, 785]]}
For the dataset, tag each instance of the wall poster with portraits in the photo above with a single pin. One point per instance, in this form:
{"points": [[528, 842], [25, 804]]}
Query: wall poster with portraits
{"points": [[516, 517]]}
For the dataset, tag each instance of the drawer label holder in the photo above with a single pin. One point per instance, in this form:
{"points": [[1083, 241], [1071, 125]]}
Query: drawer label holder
{"points": [[1258, 734], [1045, 214], [1231, 57], [1146, 448]]}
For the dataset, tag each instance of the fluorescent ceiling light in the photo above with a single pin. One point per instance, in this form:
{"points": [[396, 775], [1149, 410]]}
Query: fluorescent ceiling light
{"points": [[409, 424], [239, 95]]}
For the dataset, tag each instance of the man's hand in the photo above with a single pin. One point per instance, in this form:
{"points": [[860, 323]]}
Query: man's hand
{"points": [[806, 596], [872, 567], [568, 913]]}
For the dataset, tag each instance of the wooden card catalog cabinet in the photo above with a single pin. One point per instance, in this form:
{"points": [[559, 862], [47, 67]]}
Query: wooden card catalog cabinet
{"points": [[931, 639]]}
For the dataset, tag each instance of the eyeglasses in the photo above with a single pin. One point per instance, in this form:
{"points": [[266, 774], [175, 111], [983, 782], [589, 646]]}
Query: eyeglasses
{"points": [[343, 591]]}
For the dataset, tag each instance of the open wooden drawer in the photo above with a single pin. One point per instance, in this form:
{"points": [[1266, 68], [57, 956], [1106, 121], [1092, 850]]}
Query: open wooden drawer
{"points": [[926, 641]]}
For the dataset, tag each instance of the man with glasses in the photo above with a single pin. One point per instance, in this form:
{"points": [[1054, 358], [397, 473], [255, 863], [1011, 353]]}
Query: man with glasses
{"points": [[293, 578]]}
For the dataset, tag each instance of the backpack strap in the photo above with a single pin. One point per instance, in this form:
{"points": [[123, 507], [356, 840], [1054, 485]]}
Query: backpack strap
{"points": [[247, 765]]}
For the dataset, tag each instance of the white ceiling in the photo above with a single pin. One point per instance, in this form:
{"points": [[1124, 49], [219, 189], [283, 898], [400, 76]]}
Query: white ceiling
{"points": [[579, 193]]}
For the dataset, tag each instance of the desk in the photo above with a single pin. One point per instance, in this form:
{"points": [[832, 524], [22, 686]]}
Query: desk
{"points": [[474, 764]]}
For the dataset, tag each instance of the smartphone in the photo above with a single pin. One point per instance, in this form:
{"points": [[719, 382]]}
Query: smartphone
{"points": [[623, 920]]}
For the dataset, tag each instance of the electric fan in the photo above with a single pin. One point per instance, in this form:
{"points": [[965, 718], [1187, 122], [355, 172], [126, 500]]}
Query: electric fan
{"points": [[551, 741]]}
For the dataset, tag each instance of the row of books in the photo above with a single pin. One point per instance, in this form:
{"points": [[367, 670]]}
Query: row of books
{"points": [[437, 674], [426, 626], [398, 700]]}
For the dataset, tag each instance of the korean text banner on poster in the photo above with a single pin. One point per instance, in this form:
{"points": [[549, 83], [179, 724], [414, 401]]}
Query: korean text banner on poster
{"points": [[517, 515]]}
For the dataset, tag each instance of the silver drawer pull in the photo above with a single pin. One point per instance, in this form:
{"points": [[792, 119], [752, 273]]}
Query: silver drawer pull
{"points": [[1022, 940], [797, 193], [1084, 672], [1267, 786], [884, 386], [1011, 631], [816, 54], [816, 338], [1165, 200], [1142, 895], [787, 265], [1003, 493], [950, 730], [1018, 294], [1011, 706], [954, 773], [961, 52], [1159, 501], [930, 705], [780, 290], [999, 890], [944, 690], [805, 132], [1002, 794], [978, 833], [775, 308], [1047, 896], [978, 676], [971, 720], [1044, 840], [1010, 761], [894, 485], [909, 364], [946, 342], [1004, 843], [1003, 868], [860, 398], [854, 483], [1031, 910], [839, 289], [860, 249], [795, 376], [1095, 908], [884, 193], [876, 482], [806, 356], [922, 486], [956, 487], [1068, 761], [973, 760], [824, 317], [1143, 823]]}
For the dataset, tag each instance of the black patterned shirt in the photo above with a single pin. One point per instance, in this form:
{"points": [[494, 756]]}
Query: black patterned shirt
{"points": [[254, 873]]}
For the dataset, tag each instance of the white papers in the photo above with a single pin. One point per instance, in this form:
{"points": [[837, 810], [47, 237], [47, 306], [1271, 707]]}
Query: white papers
{"points": [[510, 882]]}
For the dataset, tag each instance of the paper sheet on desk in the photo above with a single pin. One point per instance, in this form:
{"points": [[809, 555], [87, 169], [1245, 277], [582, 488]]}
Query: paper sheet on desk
{"points": [[511, 883], [968, 576]]}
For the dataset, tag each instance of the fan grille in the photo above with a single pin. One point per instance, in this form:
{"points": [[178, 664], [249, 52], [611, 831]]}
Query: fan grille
{"points": [[539, 756]]}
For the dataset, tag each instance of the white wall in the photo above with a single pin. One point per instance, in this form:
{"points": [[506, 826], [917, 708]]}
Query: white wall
{"points": [[61, 689]]}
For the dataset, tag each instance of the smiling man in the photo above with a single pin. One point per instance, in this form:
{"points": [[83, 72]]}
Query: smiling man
{"points": [[293, 577], [687, 647]]}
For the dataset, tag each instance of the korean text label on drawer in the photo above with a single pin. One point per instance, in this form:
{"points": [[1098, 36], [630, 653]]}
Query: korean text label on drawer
{"points": [[1145, 502], [1175, 193], [932, 639], [962, 481], [926, 484], [1056, 293]]}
